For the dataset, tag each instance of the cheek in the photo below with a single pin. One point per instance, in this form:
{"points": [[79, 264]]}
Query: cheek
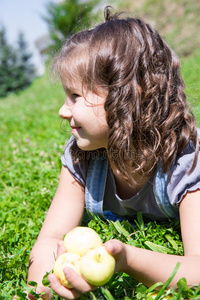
{"points": [[91, 117], [100, 114], [78, 112], [99, 125], [103, 121]]}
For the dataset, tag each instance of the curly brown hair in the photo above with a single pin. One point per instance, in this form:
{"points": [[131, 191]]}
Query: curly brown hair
{"points": [[148, 116]]}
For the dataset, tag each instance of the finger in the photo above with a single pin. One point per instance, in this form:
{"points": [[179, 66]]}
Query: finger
{"points": [[48, 294], [61, 290], [60, 248], [77, 281], [31, 297], [114, 247]]}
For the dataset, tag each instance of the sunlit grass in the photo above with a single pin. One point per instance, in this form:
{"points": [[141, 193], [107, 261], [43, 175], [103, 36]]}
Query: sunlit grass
{"points": [[191, 75]]}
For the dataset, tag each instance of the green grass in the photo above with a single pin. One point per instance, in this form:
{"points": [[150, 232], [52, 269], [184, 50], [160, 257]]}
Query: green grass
{"points": [[30, 150], [191, 75], [31, 144]]}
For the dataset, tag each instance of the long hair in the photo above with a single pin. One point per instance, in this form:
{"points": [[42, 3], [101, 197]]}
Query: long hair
{"points": [[148, 116]]}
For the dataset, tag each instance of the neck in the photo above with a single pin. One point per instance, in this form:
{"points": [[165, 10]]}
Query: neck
{"points": [[127, 190]]}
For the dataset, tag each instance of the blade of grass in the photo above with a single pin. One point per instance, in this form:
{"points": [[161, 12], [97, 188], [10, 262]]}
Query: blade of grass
{"points": [[107, 294], [168, 281], [155, 247]]}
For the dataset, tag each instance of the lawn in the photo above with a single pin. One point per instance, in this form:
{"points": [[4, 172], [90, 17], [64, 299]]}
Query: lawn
{"points": [[30, 149]]}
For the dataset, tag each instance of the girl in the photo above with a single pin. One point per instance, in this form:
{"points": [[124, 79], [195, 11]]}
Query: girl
{"points": [[134, 147]]}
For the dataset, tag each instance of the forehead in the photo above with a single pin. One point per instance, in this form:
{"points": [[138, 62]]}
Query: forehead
{"points": [[72, 86], [77, 67], [77, 72], [73, 65]]}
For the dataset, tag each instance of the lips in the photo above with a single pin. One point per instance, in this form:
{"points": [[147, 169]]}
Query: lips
{"points": [[75, 129]]}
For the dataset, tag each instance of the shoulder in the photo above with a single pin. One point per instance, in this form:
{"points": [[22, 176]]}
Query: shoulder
{"points": [[180, 180], [78, 170]]}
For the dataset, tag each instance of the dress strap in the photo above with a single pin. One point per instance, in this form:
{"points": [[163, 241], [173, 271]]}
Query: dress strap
{"points": [[160, 194], [95, 185]]}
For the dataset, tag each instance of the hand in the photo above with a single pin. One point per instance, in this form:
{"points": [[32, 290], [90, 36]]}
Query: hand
{"points": [[118, 250], [42, 289], [114, 247], [79, 284]]}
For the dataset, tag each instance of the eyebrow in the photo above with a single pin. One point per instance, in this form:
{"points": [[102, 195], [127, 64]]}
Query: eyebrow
{"points": [[67, 89]]}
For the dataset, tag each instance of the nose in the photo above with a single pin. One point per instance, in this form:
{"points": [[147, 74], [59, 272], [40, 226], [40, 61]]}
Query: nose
{"points": [[65, 112]]}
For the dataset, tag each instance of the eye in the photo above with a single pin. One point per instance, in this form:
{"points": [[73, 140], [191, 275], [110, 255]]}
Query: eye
{"points": [[75, 96]]}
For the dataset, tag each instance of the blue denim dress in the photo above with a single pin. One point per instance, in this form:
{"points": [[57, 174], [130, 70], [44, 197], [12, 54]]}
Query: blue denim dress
{"points": [[96, 183], [95, 188]]}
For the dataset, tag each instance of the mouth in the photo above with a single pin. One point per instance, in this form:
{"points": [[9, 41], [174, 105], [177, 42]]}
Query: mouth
{"points": [[75, 129]]}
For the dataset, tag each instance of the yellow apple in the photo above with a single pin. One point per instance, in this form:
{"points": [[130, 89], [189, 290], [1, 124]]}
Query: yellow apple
{"points": [[68, 259], [97, 266], [81, 239]]}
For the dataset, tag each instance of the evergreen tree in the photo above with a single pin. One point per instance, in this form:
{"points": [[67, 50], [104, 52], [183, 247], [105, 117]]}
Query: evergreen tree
{"points": [[7, 65], [68, 17], [26, 70], [16, 72]]}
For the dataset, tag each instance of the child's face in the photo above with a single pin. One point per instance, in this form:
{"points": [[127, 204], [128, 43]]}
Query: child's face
{"points": [[86, 116]]}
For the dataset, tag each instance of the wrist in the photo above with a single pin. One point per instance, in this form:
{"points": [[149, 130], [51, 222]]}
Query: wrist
{"points": [[130, 253]]}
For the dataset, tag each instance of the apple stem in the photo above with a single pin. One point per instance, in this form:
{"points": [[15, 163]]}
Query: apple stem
{"points": [[98, 258]]}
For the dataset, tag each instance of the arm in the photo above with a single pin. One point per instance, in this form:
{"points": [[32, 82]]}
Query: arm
{"points": [[66, 212], [150, 267]]}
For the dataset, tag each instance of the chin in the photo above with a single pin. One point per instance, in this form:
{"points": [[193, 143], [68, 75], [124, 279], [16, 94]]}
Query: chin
{"points": [[88, 147], [85, 148]]}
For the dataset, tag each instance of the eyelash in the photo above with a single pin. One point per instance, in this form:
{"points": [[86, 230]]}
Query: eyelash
{"points": [[75, 95]]}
